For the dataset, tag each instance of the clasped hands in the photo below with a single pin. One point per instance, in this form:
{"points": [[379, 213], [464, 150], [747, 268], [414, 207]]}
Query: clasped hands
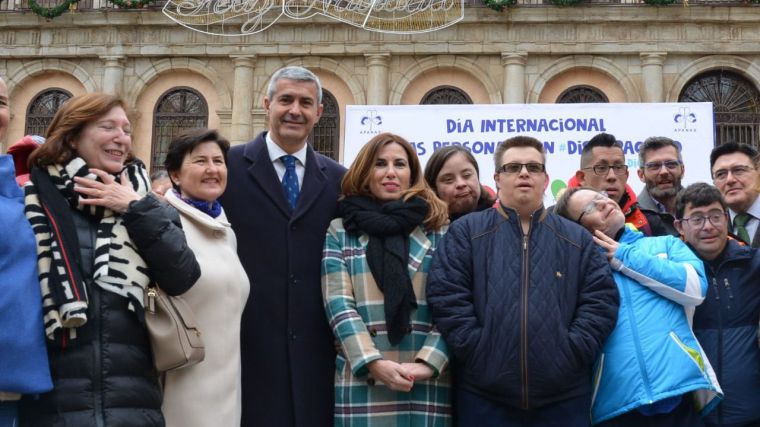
{"points": [[399, 376]]}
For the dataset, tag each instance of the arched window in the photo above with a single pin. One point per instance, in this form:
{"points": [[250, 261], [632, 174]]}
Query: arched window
{"points": [[445, 95], [42, 109], [177, 109], [736, 104], [582, 94], [325, 136]]}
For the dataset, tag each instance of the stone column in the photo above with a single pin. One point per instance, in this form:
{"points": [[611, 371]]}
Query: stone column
{"points": [[514, 77], [113, 73], [651, 70], [242, 99], [377, 78]]}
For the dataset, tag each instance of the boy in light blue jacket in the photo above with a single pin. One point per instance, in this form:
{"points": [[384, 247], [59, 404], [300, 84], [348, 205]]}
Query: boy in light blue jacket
{"points": [[652, 370]]}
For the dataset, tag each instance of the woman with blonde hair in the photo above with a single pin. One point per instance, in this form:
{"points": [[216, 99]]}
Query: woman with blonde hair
{"points": [[391, 369]]}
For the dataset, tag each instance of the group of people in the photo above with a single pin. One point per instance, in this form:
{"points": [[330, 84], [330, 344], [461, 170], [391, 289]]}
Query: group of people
{"points": [[382, 294]]}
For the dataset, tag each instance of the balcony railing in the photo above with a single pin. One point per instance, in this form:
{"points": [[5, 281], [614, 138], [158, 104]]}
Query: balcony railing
{"points": [[23, 5]]}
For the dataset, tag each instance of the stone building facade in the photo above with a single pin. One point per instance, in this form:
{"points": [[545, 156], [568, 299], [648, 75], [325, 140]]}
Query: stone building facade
{"points": [[173, 77]]}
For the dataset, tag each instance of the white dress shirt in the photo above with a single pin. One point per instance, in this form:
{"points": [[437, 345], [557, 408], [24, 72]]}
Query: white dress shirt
{"points": [[275, 152]]}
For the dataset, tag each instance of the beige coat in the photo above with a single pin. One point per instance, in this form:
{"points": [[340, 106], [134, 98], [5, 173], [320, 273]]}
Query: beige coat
{"points": [[208, 394]]}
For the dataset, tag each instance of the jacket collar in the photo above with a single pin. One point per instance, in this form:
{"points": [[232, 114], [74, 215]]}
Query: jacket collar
{"points": [[201, 218], [509, 214]]}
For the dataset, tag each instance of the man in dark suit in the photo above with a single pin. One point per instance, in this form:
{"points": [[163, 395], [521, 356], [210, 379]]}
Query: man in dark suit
{"points": [[280, 199], [734, 172]]}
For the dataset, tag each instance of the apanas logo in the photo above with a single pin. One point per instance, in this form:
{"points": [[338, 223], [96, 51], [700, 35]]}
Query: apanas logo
{"points": [[685, 120], [371, 122]]}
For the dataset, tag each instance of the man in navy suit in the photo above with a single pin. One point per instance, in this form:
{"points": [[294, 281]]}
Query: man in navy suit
{"points": [[280, 199]]}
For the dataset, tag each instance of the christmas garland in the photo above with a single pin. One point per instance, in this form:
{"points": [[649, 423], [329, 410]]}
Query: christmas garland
{"points": [[499, 5], [129, 4], [51, 12], [565, 2]]}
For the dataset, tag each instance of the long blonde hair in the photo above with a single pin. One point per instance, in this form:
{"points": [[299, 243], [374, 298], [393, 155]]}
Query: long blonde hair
{"points": [[356, 180]]}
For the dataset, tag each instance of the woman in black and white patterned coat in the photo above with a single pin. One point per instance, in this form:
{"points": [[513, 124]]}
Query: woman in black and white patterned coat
{"points": [[101, 239]]}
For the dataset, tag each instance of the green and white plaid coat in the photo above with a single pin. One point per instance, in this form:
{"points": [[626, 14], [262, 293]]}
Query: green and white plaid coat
{"points": [[354, 306]]}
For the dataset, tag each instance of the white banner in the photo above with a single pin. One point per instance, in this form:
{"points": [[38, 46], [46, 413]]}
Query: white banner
{"points": [[563, 128]]}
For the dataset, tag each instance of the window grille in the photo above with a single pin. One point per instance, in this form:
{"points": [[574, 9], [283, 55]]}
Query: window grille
{"points": [[42, 109], [178, 109]]}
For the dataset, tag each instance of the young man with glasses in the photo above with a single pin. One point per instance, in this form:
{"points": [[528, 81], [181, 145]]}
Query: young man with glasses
{"points": [[524, 301], [603, 168], [735, 174], [652, 361], [661, 169], [726, 324]]}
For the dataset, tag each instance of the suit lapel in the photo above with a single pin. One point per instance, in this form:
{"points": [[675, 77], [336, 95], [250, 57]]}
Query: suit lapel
{"points": [[418, 247], [263, 173], [314, 181]]}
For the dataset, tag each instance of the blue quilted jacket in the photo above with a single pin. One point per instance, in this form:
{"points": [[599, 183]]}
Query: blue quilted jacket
{"points": [[726, 326], [525, 315], [23, 358], [652, 353]]}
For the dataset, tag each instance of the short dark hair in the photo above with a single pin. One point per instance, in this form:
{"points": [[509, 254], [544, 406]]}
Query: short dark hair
{"points": [[698, 194], [440, 157], [562, 208], [655, 143], [730, 148], [186, 142], [599, 140], [517, 141]]}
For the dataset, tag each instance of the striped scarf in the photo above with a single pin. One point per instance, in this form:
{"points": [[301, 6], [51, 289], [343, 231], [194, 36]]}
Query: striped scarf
{"points": [[118, 267]]}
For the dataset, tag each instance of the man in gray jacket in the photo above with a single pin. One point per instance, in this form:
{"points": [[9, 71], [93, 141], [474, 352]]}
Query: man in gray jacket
{"points": [[661, 169]]}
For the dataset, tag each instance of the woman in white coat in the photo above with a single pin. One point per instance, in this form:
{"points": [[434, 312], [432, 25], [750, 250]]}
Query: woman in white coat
{"points": [[208, 393]]}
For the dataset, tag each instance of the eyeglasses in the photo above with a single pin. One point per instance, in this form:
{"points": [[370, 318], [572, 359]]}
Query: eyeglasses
{"points": [[513, 168], [737, 171], [670, 165], [602, 170], [717, 219], [592, 205]]}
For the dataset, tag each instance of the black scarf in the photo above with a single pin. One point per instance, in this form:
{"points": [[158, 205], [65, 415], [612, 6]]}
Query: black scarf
{"points": [[388, 226]]}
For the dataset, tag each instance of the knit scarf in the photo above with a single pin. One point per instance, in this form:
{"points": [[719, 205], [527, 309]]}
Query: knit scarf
{"points": [[388, 226], [117, 268]]}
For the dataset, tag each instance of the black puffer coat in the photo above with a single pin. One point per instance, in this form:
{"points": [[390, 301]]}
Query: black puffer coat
{"points": [[105, 376]]}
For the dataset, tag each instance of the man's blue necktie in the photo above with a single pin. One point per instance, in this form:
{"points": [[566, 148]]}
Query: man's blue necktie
{"points": [[290, 181]]}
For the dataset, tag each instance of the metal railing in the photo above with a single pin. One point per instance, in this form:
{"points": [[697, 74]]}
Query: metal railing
{"points": [[23, 5]]}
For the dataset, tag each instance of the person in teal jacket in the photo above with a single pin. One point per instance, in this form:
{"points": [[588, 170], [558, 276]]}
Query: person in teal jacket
{"points": [[652, 362]]}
